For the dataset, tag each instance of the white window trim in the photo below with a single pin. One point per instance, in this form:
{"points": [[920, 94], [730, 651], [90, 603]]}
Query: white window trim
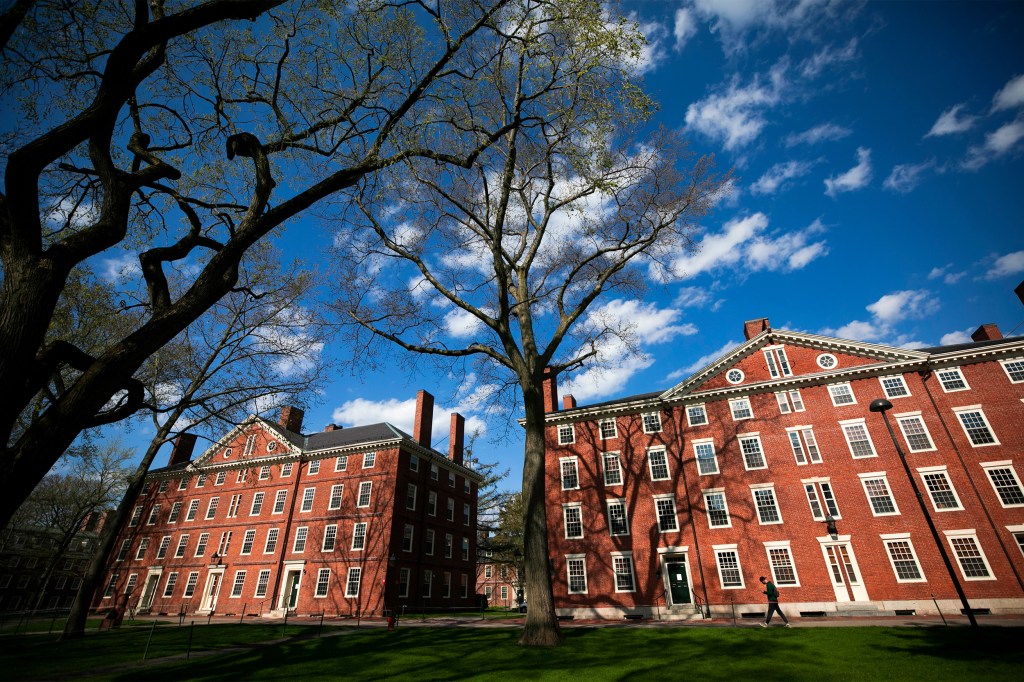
{"points": [[799, 430], [867, 497], [1002, 464], [735, 370], [732, 408], [561, 474], [863, 422], [960, 372], [650, 464], [969, 533], [739, 566], [906, 439], [625, 515], [601, 425], [568, 582], [903, 537], [988, 425], [704, 411], [696, 459], [643, 421], [725, 501], [780, 544], [675, 512], [604, 468], [756, 435], [817, 481], [833, 397], [1003, 364], [565, 521], [753, 496], [881, 382], [571, 432], [944, 470], [632, 569]]}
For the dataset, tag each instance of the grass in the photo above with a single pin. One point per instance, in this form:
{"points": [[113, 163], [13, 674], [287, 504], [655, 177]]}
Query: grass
{"points": [[590, 653]]}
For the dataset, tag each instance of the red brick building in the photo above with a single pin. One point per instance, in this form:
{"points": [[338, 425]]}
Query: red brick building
{"points": [[344, 522], [674, 502]]}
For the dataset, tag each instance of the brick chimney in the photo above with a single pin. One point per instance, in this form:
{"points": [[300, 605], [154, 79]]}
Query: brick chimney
{"points": [[456, 438], [332, 427], [291, 419], [987, 332], [550, 391], [568, 403], [424, 422], [752, 328], [182, 450]]}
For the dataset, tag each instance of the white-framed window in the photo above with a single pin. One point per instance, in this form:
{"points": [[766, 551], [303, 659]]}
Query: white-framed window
{"points": [[211, 508], [820, 498], [780, 559], [465, 548], [279, 501], [740, 408], [239, 584], [407, 537], [778, 364], [951, 379], [857, 437], [414, 463], [179, 551], [435, 473], [449, 544], [446, 584], [915, 433], [233, 505], [352, 583], [404, 576], [969, 554], [330, 537], [894, 387], [451, 479], [225, 543], [122, 553], [369, 460], [257, 504], [365, 489], [307, 499], [735, 376], [717, 508], [1014, 369], [193, 509], [201, 480], [190, 584], [827, 361], [264, 473], [622, 565], [576, 573], [336, 492], [359, 536], [976, 426], [221, 477], [657, 463], [618, 519], [570, 473], [204, 539], [432, 503], [175, 511], [1005, 482], [154, 515], [789, 401], [766, 504], [428, 541], [301, 533], [572, 515], [165, 543], [804, 444], [341, 463], [696, 415], [566, 434], [286, 469], [707, 460], [612, 468], [262, 582], [730, 575], [172, 579], [753, 453], [183, 484], [450, 509], [143, 546], [465, 514], [137, 514], [652, 422], [606, 427], [940, 488], [247, 541], [903, 558], [842, 394], [313, 468], [665, 508], [270, 546], [876, 487], [250, 445]]}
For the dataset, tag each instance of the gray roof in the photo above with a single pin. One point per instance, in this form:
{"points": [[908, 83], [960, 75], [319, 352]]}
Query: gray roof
{"points": [[372, 433]]}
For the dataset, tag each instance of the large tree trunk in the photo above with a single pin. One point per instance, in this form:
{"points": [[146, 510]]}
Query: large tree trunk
{"points": [[541, 622]]}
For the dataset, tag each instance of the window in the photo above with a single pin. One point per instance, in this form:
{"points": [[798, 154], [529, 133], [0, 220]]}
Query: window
{"points": [[805, 447], [236, 501], [301, 533], [915, 432], [504, 592], [122, 554], [352, 584], [573, 516], [729, 572], [566, 434], [428, 542], [877, 489], [183, 484], [451, 479], [250, 445], [665, 507], [165, 543], [778, 364], [1005, 482], [143, 546], [172, 580], [940, 488], [576, 572], [193, 509], [1014, 370], [447, 582], [264, 473], [951, 379], [279, 501], [623, 566], [894, 387], [657, 461], [973, 563], [618, 521], [857, 437], [247, 541], [789, 401], [271, 545], [154, 515], [242, 476], [239, 584], [175, 511], [262, 582], [696, 415], [570, 474], [976, 426], [432, 503], [358, 537], [434, 472], [404, 576], [407, 535], [607, 429], [313, 468], [821, 499], [767, 507], [841, 394], [612, 468], [487, 571], [414, 463], [204, 538], [465, 514], [179, 552], [221, 477], [211, 508], [201, 480], [307, 499], [741, 409], [707, 461], [449, 545], [753, 454], [323, 581], [450, 509], [428, 581], [465, 548], [717, 509], [734, 376], [652, 422], [190, 584], [341, 463], [903, 558], [225, 542], [257, 504], [781, 561], [827, 361], [365, 488], [369, 460], [137, 515]]}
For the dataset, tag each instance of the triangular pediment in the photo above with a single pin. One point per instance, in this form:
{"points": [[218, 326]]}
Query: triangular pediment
{"points": [[235, 447], [779, 356]]}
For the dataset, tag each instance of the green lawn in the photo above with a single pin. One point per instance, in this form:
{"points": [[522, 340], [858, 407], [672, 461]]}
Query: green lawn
{"points": [[590, 654]]}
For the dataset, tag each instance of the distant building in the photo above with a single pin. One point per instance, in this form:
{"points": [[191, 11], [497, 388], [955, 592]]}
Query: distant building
{"points": [[269, 520], [499, 582], [674, 502]]}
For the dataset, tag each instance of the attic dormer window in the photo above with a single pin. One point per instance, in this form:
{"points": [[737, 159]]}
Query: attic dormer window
{"points": [[250, 445], [227, 453], [271, 446], [778, 364], [734, 376], [827, 361]]}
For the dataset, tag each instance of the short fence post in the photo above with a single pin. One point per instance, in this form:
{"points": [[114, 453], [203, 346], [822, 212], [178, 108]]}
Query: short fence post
{"points": [[191, 629], [941, 615], [241, 619], [320, 631], [151, 631], [732, 602]]}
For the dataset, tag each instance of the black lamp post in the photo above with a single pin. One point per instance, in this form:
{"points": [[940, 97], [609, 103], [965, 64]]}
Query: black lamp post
{"points": [[882, 405], [392, 560], [216, 558], [830, 527]]}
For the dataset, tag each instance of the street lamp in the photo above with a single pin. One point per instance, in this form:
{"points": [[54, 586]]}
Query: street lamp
{"points": [[830, 527], [216, 558], [882, 405]]}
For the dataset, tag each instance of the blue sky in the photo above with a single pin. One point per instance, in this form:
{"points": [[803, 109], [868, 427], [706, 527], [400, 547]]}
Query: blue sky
{"points": [[878, 150]]}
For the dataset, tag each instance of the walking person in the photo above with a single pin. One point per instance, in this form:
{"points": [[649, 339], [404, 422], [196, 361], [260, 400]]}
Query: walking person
{"points": [[773, 603]]}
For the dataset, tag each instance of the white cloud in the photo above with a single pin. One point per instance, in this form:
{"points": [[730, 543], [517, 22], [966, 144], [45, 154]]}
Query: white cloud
{"points": [[901, 305], [823, 133], [646, 321], [947, 276], [775, 176], [826, 57], [1010, 264], [905, 177], [722, 248], [951, 122], [735, 116], [123, 267], [461, 324], [857, 330], [956, 337], [733, 20], [692, 297], [998, 143], [1012, 95], [71, 213], [855, 178], [684, 28], [653, 52], [402, 414]]}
